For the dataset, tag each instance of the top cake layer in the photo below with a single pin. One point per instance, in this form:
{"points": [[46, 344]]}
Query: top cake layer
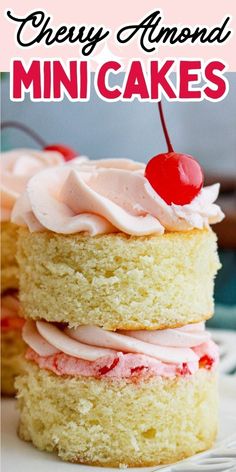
{"points": [[108, 196], [118, 281]]}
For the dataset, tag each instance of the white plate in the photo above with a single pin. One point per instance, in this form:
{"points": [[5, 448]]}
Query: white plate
{"points": [[18, 456]]}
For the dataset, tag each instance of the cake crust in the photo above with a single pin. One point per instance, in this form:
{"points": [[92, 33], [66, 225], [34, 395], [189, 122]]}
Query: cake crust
{"points": [[117, 281]]}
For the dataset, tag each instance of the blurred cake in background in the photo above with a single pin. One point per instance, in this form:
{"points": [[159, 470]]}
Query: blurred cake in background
{"points": [[12, 344], [16, 166]]}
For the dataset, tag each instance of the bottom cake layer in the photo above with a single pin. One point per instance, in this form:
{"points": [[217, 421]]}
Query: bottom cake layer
{"points": [[12, 359], [116, 423]]}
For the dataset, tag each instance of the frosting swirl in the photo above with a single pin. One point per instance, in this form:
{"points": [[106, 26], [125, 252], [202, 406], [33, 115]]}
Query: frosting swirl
{"points": [[107, 196], [91, 342], [16, 168], [90, 350]]}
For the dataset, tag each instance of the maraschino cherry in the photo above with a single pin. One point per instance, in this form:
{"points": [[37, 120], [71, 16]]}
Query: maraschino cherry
{"points": [[176, 177], [67, 152]]}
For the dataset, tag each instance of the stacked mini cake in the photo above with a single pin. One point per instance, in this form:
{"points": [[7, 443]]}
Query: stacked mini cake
{"points": [[115, 285], [16, 169]]}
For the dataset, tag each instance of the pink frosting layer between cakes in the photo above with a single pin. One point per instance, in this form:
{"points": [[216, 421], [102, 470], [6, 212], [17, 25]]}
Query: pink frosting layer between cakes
{"points": [[123, 365], [92, 351]]}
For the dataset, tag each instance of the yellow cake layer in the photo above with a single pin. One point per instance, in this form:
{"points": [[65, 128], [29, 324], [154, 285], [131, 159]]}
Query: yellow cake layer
{"points": [[12, 359], [116, 422], [118, 281], [9, 268]]}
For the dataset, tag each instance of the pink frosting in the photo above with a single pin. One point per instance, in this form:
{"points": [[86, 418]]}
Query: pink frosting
{"points": [[106, 196], [121, 365], [92, 351], [16, 168]]}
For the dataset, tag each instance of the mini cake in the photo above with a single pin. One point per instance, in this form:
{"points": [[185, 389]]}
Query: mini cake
{"points": [[16, 169], [115, 284]]}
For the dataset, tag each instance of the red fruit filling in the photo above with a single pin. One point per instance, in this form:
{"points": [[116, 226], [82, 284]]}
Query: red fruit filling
{"points": [[137, 370], [107, 368], [184, 369], [206, 362]]}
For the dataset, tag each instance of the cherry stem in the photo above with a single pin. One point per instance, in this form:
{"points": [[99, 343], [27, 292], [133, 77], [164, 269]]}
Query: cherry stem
{"points": [[163, 123], [25, 129]]}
